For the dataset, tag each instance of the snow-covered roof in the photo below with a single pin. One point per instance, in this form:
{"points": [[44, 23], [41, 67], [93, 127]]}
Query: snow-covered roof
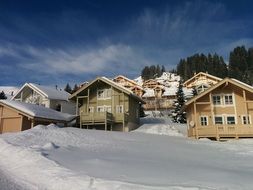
{"points": [[139, 80], [170, 91], [46, 91], [148, 93], [37, 110]]}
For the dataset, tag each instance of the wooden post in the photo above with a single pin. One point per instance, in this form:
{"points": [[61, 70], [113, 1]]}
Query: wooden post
{"points": [[217, 133], [245, 102], [77, 102], [195, 120], [123, 112], [88, 101]]}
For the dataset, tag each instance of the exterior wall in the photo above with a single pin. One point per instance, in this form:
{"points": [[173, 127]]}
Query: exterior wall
{"points": [[68, 107], [10, 121], [134, 114], [65, 107], [26, 123], [238, 109]]}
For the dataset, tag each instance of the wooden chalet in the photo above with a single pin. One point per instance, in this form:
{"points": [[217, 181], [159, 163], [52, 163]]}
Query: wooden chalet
{"points": [[225, 110], [104, 104]]}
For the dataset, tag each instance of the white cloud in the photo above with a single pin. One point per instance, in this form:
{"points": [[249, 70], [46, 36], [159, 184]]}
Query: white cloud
{"points": [[110, 59]]}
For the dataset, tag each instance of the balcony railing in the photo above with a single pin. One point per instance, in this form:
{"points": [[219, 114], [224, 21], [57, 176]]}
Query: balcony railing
{"points": [[102, 117], [219, 131]]}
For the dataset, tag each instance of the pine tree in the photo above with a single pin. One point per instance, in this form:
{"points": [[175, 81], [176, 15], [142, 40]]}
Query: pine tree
{"points": [[178, 115], [163, 69], [75, 88], [68, 88], [3, 96]]}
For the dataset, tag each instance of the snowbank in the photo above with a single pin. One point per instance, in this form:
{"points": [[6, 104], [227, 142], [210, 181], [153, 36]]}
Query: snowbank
{"points": [[48, 157], [159, 126]]}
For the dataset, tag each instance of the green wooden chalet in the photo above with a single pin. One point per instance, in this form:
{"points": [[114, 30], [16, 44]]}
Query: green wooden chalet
{"points": [[104, 104]]}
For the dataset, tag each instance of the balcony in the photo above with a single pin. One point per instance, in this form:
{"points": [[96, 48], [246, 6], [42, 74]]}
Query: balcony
{"points": [[102, 118], [221, 131]]}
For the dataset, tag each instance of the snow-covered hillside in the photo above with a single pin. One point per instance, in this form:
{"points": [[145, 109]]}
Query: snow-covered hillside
{"points": [[48, 157], [169, 81]]}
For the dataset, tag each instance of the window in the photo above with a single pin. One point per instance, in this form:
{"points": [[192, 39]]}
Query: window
{"points": [[108, 109], [104, 109], [91, 109], [218, 120], [216, 99], [100, 94], [104, 94], [203, 120], [228, 99], [246, 119], [100, 109], [119, 109], [230, 120]]}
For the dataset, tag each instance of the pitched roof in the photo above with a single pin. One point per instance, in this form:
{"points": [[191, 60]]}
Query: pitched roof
{"points": [[46, 91], [37, 111], [226, 80], [110, 82], [202, 73]]}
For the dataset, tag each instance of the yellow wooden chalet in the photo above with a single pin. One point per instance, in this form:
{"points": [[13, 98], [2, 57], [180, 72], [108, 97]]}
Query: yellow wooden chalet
{"points": [[225, 110], [201, 81], [104, 104]]}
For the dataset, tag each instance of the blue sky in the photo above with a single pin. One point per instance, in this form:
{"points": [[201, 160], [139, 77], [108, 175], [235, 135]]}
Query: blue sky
{"points": [[55, 42]]}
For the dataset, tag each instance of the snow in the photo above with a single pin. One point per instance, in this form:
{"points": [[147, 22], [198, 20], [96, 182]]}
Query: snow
{"points": [[170, 91], [9, 90], [38, 111], [139, 81], [48, 157], [148, 93], [51, 92]]}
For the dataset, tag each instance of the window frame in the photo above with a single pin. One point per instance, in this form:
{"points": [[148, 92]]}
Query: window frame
{"points": [[120, 108], [106, 94], [217, 95], [100, 107], [222, 119], [235, 122], [200, 119], [91, 109], [227, 95], [248, 119]]}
